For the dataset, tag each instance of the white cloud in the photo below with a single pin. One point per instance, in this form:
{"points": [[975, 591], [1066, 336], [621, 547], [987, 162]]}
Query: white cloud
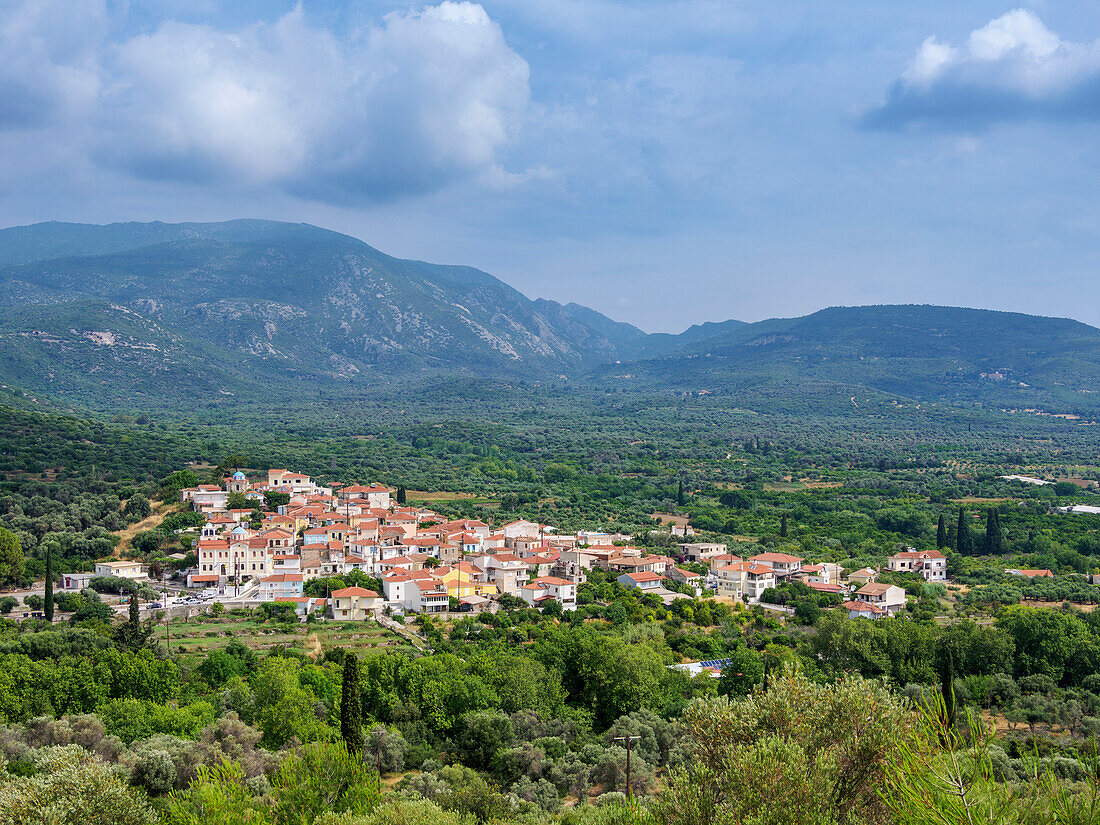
{"points": [[1012, 68], [48, 66], [420, 100]]}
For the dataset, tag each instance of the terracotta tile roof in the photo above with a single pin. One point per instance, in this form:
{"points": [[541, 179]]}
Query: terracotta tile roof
{"points": [[354, 591]]}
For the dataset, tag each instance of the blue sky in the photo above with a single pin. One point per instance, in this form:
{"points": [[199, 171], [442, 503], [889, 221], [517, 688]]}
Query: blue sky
{"points": [[663, 162]]}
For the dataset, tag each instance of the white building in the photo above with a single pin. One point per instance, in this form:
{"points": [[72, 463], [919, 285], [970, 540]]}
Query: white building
{"points": [[930, 564], [889, 597], [783, 564], [701, 551], [743, 579], [123, 569], [205, 497], [549, 588], [280, 586], [642, 580]]}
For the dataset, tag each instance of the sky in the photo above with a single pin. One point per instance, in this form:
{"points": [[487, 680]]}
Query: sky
{"points": [[666, 162]]}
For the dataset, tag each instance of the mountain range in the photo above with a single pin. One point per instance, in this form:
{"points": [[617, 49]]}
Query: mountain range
{"points": [[126, 311]]}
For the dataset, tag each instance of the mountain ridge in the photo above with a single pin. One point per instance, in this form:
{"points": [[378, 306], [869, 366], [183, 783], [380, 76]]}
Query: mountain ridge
{"points": [[254, 307], [300, 293]]}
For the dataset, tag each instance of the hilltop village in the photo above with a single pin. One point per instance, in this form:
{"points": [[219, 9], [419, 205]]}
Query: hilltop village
{"points": [[265, 540]]}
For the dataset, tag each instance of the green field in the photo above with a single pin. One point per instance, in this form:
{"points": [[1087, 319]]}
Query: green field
{"points": [[195, 638]]}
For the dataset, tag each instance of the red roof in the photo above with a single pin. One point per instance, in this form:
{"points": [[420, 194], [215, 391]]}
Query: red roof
{"points": [[643, 576], [554, 581], [354, 591], [776, 557], [826, 588], [863, 607], [919, 554]]}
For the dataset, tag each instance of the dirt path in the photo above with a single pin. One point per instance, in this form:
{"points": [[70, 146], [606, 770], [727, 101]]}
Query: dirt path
{"points": [[160, 512]]}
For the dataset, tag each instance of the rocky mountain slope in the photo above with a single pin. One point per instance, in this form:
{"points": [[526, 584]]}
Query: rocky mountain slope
{"points": [[302, 299], [265, 310]]}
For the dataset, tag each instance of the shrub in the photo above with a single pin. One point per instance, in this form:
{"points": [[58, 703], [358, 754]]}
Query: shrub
{"points": [[71, 787]]}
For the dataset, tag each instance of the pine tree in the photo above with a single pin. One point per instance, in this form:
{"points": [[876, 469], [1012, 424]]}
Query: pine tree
{"points": [[963, 538], [783, 526], [351, 709], [48, 603], [941, 533]]}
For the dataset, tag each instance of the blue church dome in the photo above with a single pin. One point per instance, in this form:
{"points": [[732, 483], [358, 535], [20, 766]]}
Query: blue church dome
{"points": [[238, 475]]}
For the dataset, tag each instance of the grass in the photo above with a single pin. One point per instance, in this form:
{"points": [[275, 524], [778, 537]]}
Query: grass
{"points": [[196, 638], [150, 522]]}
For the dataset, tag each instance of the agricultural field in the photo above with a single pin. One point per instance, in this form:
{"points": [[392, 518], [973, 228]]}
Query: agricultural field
{"points": [[195, 638]]}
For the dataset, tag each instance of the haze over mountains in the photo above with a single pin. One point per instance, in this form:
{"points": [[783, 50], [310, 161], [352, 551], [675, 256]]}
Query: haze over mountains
{"points": [[250, 307]]}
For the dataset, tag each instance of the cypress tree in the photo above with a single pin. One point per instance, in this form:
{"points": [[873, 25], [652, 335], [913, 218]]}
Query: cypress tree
{"points": [[48, 605], [351, 709], [401, 495], [680, 494], [947, 688], [962, 534], [783, 526], [941, 533], [135, 615], [994, 540]]}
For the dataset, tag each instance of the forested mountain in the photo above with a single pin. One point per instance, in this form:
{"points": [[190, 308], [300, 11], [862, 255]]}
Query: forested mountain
{"points": [[921, 352], [268, 310], [291, 300]]}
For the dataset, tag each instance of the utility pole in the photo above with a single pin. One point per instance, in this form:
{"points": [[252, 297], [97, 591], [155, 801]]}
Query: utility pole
{"points": [[628, 740]]}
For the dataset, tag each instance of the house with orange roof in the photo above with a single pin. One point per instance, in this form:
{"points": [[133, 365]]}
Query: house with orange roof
{"points": [[636, 564], [864, 610], [205, 497], [863, 576], [280, 586], [356, 604], [679, 574], [744, 580], [506, 570], [931, 565], [549, 588], [889, 597], [416, 594], [823, 573], [641, 580], [542, 565], [784, 564], [464, 579]]}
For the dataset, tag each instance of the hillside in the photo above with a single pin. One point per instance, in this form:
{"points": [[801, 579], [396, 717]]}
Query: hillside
{"points": [[921, 352], [289, 299], [104, 316]]}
